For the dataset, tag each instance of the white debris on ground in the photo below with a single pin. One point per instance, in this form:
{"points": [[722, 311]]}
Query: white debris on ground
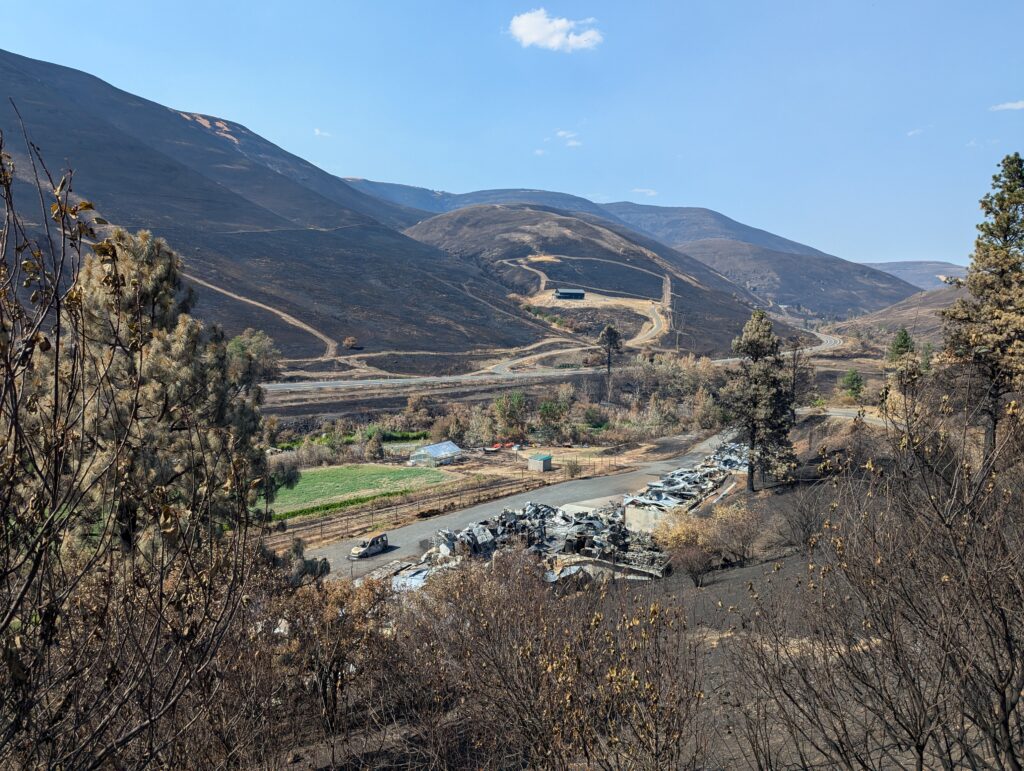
{"points": [[690, 486], [584, 545]]}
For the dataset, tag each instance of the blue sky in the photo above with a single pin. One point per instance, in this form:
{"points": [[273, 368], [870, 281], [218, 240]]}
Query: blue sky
{"points": [[862, 128]]}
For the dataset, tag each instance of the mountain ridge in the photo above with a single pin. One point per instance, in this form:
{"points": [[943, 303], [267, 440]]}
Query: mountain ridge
{"points": [[778, 270], [925, 274]]}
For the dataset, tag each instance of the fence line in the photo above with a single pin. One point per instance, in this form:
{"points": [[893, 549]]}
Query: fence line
{"points": [[326, 528]]}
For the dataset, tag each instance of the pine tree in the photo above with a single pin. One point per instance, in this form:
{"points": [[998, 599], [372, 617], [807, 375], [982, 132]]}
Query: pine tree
{"points": [[611, 342], [760, 398], [901, 345], [253, 356], [195, 427], [985, 330], [130, 469], [852, 383]]}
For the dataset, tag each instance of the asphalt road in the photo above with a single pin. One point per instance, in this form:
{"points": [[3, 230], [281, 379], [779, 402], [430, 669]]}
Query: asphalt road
{"points": [[828, 343], [409, 542]]}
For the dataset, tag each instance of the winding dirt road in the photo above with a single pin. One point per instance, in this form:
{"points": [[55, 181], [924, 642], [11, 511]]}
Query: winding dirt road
{"points": [[660, 323], [330, 345], [827, 343]]}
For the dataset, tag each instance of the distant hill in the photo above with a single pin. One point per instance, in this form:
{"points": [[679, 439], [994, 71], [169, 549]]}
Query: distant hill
{"points": [[924, 274], [438, 201], [256, 220], [581, 251], [919, 313], [818, 285], [681, 225], [401, 268], [778, 270]]}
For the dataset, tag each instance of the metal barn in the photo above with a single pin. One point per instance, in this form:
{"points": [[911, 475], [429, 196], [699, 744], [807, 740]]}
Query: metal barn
{"points": [[436, 454]]}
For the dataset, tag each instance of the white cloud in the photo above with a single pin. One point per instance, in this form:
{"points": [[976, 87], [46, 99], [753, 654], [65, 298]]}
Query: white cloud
{"points": [[569, 138], [538, 151], [536, 28], [915, 132], [1008, 106], [321, 133], [645, 191]]}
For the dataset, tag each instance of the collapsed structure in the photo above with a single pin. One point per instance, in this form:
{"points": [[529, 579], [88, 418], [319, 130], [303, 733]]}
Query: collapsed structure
{"points": [[590, 544], [611, 542], [685, 487]]}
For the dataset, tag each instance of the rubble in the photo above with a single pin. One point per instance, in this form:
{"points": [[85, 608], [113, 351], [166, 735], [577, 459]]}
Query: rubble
{"points": [[574, 545], [691, 486], [592, 544], [551, 532]]}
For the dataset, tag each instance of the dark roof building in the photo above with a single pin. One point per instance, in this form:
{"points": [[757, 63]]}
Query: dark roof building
{"points": [[570, 294]]}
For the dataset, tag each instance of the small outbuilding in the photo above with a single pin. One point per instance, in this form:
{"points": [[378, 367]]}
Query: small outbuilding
{"points": [[539, 462], [439, 454], [569, 294]]}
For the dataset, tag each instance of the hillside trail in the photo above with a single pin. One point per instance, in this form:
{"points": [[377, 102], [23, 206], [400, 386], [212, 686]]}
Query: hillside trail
{"points": [[330, 344], [658, 313], [357, 361]]}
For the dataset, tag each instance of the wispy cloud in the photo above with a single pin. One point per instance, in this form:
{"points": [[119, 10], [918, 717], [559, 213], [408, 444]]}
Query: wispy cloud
{"points": [[321, 133], [915, 132], [645, 191], [539, 151], [536, 28], [1007, 106], [569, 138]]}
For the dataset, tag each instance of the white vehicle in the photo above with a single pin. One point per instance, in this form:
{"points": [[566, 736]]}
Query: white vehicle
{"points": [[369, 547]]}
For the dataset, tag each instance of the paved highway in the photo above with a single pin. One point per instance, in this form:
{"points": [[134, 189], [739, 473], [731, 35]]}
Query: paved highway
{"points": [[827, 343]]}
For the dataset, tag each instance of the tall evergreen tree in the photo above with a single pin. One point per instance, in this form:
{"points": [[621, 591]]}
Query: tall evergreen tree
{"points": [[902, 344], [195, 424], [985, 330], [611, 343], [129, 470], [853, 383], [760, 397]]}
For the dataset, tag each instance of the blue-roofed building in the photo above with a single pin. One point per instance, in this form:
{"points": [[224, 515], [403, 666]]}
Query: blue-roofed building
{"points": [[436, 454]]}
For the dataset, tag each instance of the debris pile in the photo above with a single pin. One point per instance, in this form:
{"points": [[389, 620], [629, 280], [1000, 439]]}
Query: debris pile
{"points": [[590, 544], [690, 486], [553, 533]]}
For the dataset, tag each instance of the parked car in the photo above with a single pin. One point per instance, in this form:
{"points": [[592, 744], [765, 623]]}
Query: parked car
{"points": [[369, 547]]}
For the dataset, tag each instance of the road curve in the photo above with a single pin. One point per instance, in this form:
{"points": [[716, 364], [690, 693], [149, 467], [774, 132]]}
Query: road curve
{"points": [[827, 342]]}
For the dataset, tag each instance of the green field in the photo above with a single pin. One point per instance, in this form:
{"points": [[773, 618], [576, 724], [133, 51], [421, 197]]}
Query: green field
{"points": [[364, 481]]}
